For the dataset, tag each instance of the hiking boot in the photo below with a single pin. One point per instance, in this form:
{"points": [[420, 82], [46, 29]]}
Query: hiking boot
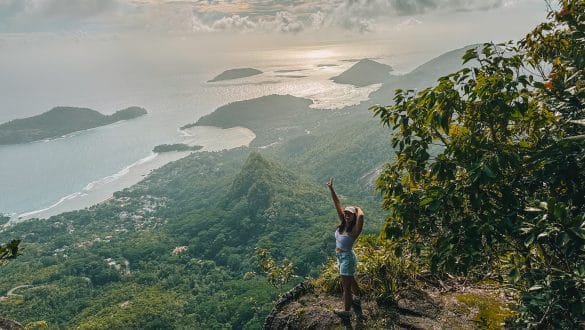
{"points": [[342, 313], [345, 317], [356, 304]]}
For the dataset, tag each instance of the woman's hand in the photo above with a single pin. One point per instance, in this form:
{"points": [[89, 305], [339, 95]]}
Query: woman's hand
{"points": [[336, 201], [330, 183]]}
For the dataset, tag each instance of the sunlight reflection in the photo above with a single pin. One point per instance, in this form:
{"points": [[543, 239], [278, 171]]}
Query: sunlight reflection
{"points": [[316, 54]]}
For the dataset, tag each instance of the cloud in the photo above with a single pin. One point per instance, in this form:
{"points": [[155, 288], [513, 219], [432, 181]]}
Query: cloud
{"points": [[317, 20], [52, 15], [234, 22], [412, 7], [198, 26], [283, 22], [77, 9], [407, 24], [283, 16], [363, 15]]}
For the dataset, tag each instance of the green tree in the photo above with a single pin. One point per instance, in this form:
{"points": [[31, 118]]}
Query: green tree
{"points": [[10, 250], [277, 275], [490, 169]]}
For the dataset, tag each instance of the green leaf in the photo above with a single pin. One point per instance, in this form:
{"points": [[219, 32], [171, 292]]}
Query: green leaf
{"points": [[488, 172], [469, 55], [579, 232], [535, 288], [426, 201], [514, 275]]}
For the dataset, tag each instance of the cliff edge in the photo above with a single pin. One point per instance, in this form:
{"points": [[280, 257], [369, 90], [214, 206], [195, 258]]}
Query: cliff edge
{"points": [[449, 307]]}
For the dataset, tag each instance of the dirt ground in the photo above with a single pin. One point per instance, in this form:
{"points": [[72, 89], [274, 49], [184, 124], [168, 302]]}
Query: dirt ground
{"points": [[443, 307]]}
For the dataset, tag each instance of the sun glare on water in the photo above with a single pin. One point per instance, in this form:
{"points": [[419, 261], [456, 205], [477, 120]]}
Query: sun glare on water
{"points": [[317, 54]]}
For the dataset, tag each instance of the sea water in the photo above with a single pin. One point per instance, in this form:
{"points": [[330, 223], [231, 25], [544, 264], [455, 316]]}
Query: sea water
{"points": [[43, 178]]}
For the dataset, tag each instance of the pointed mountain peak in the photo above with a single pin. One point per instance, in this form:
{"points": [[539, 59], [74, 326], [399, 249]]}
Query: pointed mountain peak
{"points": [[363, 73], [258, 171]]}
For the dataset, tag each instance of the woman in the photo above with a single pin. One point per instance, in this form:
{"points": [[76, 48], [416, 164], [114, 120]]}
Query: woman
{"points": [[350, 227]]}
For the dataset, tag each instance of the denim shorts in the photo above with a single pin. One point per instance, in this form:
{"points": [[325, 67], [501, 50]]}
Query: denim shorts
{"points": [[347, 263]]}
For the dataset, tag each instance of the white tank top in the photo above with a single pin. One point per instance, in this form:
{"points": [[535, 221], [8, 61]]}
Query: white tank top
{"points": [[343, 241]]}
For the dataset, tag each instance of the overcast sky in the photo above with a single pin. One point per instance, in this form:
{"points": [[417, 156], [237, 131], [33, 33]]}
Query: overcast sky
{"points": [[49, 33], [213, 16], [96, 45]]}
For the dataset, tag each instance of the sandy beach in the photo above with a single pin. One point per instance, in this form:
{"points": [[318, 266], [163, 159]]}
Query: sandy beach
{"points": [[211, 138]]}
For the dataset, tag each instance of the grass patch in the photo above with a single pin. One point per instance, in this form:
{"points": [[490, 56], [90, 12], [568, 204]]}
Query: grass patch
{"points": [[491, 312]]}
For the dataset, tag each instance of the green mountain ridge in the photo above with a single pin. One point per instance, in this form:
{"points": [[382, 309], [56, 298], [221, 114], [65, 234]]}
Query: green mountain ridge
{"points": [[240, 202], [60, 121]]}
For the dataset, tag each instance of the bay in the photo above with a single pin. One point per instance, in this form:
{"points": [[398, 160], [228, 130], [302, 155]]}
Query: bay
{"points": [[43, 178]]}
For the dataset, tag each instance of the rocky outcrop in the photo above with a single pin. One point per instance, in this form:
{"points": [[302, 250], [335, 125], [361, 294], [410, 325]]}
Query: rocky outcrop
{"points": [[306, 307], [285, 299], [6, 324]]}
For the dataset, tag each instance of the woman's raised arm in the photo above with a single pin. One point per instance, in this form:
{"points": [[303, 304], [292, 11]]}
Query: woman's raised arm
{"points": [[336, 201]]}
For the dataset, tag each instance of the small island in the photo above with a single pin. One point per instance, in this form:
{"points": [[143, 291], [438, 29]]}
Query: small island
{"points": [[363, 73], [236, 74], [60, 121], [272, 118], [175, 147]]}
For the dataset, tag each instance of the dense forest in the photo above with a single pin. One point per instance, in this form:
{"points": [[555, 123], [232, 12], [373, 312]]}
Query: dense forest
{"points": [[181, 247], [504, 198], [175, 147], [484, 181]]}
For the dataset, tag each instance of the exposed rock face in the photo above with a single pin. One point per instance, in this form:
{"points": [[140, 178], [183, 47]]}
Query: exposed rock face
{"points": [[305, 307], [10, 325]]}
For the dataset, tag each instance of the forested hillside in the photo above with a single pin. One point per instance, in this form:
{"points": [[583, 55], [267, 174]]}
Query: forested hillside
{"points": [[179, 248], [172, 251], [60, 121]]}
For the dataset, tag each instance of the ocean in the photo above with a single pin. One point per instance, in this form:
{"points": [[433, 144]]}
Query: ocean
{"points": [[44, 178], [167, 75]]}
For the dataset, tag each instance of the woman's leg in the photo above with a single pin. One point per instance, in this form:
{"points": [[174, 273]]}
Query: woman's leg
{"points": [[346, 282], [355, 289]]}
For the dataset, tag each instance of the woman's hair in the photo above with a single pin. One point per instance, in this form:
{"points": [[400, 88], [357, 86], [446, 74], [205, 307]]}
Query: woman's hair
{"points": [[342, 227]]}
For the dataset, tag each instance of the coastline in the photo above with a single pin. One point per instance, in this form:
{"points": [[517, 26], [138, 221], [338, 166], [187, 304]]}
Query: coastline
{"points": [[98, 191]]}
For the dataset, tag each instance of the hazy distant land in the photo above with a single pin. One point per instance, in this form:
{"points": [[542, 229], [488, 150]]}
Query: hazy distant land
{"points": [[236, 74], [60, 121], [290, 76], [424, 75], [290, 70], [363, 73]]}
